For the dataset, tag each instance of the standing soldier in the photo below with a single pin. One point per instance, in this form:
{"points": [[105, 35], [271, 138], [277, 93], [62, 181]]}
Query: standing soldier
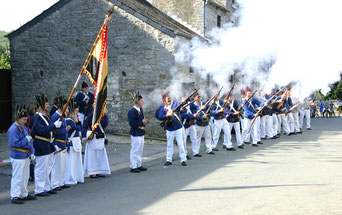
{"points": [[74, 168], [20, 142], [243, 96], [232, 111], [173, 130], [137, 121], [85, 100], [60, 141], [305, 111], [43, 144], [250, 109], [220, 123], [189, 113], [202, 127], [95, 158]]}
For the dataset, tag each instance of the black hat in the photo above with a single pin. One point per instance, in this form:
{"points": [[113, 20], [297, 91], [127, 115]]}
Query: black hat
{"points": [[84, 85], [21, 111], [73, 104], [136, 96], [60, 101], [41, 99]]}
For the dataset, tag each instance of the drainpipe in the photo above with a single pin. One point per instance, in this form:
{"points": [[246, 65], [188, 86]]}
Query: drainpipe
{"points": [[205, 17]]}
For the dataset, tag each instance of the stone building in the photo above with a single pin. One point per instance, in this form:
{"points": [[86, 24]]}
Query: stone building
{"points": [[49, 51]]}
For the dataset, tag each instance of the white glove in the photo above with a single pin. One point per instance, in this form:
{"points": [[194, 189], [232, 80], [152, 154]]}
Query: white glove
{"points": [[29, 138], [58, 124], [32, 157]]}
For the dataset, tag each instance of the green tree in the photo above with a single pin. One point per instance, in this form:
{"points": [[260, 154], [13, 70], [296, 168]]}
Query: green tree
{"points": [[334, 93], [5, 55]]}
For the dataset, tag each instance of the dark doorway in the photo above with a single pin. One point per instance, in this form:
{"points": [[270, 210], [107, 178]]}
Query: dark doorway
{"points": [[5, 100]]}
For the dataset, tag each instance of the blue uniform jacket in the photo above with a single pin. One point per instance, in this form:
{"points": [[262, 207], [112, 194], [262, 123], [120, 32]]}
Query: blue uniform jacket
{"points": [[230, 112], [251, 108], [16, 136], [176, 123], [80, 99], [200, 121], [44, 130], [135, 120], [74, 127], [61, 136], [88, 122], [188, 114], [216, 108]]}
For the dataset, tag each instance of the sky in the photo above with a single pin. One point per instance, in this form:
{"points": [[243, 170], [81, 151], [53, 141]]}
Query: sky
{"points": [[15, 13]]}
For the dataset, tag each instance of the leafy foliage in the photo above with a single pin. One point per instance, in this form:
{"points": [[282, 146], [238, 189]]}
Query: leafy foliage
{"points": [[5, 55]]}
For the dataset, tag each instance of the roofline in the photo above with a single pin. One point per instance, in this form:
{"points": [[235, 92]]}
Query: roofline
{"points": [[38, 18]]}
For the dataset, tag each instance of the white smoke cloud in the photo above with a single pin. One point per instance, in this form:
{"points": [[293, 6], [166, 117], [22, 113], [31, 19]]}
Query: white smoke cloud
{"points": [[302, 37]]}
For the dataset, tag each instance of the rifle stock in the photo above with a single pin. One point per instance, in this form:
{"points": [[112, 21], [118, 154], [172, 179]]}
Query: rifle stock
{"points": [[226, 100]]}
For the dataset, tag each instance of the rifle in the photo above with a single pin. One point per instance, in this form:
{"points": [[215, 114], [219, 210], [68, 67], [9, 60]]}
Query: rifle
{"points": [[262, 108], [191, 122], [243, 105], [226, 100], [211, 106], [281, 100], [166, 121], [188, 104], [291, 109]]}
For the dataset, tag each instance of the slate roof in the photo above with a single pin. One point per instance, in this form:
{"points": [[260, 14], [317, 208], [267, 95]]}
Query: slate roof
{"points": [[141, 9]]}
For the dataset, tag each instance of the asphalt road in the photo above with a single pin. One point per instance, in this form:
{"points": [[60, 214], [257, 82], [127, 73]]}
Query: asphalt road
{"points": [[298, 174]]}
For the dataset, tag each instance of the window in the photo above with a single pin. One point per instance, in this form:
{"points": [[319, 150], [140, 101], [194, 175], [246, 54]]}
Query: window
{"points": [[219, 21]]}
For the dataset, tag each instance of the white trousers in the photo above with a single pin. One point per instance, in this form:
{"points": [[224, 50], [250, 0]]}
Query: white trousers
{"points": [[305, 113], [296, 121], [96, 161], [275, 124], [266, 126], [58, 170], [236, 126], [42, 172], [137, 147], [193, 138], [250, 131], [81, 117], [282, 122], [258, 125], [74, 167], [204, 130], [221, 124], [291, 121], [20, 177], [178, 135]]}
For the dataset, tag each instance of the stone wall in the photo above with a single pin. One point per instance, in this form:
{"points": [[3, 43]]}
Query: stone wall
{"points": [[212, 14], [48, 57]]}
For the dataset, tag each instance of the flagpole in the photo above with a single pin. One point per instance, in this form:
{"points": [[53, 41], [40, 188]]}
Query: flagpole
{"points": [[84, 66]]}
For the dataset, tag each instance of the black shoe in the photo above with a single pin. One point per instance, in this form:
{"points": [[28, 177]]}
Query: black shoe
{"points": [[211, 153], [17, 200], [255, 145], [188, 157], [215, 149], [274, 137], [224, 147], [65, 186], [247, 143], [43, 194], [57, 189], [299, 132], [278, 135], [142, 168], [167, 163], [135, 170], [241, 147], [264, 138], [28, 197], [198, 155], [231, 149], [52, 192], [308, 129], [259, 142], [184, 164]]}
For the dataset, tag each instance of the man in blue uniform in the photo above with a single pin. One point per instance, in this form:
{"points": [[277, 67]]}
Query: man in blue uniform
{"points": [[43, 129], [250, 109], [20, 142], [60, 142], [173, 130], [232, 112], [137, 121], [85, 100]]}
